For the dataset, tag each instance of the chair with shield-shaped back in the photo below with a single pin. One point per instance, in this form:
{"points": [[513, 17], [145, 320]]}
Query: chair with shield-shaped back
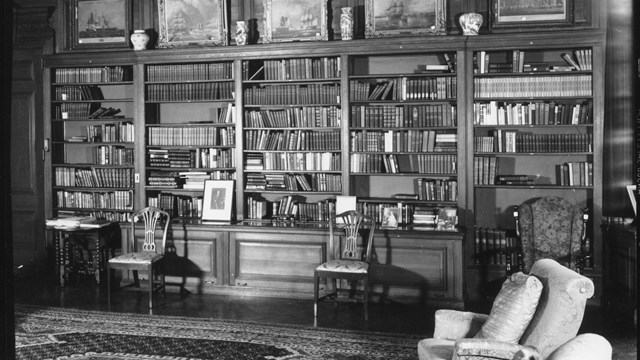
{"points": [[144, 255], [352, 264]]}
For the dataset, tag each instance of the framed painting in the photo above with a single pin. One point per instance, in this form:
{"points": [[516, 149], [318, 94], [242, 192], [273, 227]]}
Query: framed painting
{"points": [[522, 13], [218, 200], [184, 23], [99, 24], [405, 18], [295, 20]]}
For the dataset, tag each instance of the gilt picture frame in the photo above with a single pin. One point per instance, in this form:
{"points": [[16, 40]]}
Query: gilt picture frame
{"points": [[99, 24], [218, 200], [295, 20], [187, 23], [388, 18], [509, 14]]}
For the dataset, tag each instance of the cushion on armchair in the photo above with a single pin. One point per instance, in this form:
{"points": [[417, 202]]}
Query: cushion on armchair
{"points": [[512, 309]]}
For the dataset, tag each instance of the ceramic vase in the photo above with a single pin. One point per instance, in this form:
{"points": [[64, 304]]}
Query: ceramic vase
{"points": [[470, 23], [139, 39], [346, 23], [242, 31]]}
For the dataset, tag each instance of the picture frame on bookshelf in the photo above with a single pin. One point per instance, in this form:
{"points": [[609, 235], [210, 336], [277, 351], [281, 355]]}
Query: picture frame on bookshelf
{"points": [[218, 200], [447, 219], [295, 20], [390, 218], [201, 23], [388, 18], [632, 190], [509, 14], [99, 24]]}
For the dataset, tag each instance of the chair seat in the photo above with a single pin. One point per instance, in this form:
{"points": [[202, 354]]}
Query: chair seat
{"points": [[344, 266], [435, 349], [145, 257]]}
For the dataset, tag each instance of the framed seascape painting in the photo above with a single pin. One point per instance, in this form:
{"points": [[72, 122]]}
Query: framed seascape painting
{"points": [[405, 17], [531, 13], [218, 200], [295, 20], [99, 24], [185, 22]]}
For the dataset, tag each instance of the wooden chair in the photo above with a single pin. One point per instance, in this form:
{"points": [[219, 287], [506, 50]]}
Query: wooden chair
{"points": [[349, 265], [149, 257], [551, 227]]}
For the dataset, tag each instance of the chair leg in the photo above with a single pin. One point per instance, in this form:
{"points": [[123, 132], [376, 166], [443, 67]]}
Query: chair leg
{"points": [[366, 299], [151, 286], [108, 287], [136, 280], [316, 285]]}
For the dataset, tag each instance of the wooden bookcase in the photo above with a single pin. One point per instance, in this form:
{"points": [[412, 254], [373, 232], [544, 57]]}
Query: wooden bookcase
{"points": [[341, 121]]}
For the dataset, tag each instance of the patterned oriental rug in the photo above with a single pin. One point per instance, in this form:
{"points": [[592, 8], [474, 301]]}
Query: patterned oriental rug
{"points": [[57, 333]]}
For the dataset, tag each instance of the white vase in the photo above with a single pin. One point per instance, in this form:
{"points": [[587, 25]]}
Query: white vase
{"points": [[346, 23], [139, 39], [470, 23]]}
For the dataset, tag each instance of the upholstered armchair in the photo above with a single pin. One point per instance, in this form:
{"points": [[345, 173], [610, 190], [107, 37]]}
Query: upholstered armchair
{"points": [[534, 314], [582, 347], [552, 228]]}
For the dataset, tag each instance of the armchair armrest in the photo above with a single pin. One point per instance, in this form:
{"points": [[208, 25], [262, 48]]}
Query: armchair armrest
{"points": [[491, 349], [454, 324]]}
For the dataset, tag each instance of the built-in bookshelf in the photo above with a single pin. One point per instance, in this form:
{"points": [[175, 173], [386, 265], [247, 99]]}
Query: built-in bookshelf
{"points": [[533, 136], [292, 153], [403, 135], [92, 141], [190, 133]]}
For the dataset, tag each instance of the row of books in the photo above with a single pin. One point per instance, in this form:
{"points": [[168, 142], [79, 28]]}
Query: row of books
{"points": [[294, 161], [191, 135], [403, 163], [514, 62], [207, 158], [70, 110], [112, 155], [200, 91], [190, 72], [77, 92], [404, 88], [292, 140], [577, 173], [403, 140], [410, 115], [258, 208], [532, 113], [120, 132], [317, 182], [303, 116], [298, 94], [511, 141], [115, 216], [178, 206], [533, 86], [93, 74], [112, 200], [94, 177], [430, 189], [188, 180], [485, 169], [495, 246], [305, 68], [428, 217]]}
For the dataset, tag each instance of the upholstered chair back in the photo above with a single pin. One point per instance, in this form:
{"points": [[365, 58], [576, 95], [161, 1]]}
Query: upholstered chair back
{"points": [[560, 308]]}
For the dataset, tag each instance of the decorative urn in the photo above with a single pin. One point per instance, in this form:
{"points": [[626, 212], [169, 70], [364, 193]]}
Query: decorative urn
{"points": [[139, 39], [470, 23]]}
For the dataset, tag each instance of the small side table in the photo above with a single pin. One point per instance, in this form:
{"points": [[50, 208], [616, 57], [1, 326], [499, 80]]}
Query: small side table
{"points": [[97, 241]]}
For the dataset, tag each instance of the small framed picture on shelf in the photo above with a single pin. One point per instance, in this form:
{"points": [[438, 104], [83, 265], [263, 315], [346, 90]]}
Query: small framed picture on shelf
{"points": [[390, 218], [405, 18], [218, 200], [447, 219], [99, 24], [185, 23], [518, 13], [295, 20]]}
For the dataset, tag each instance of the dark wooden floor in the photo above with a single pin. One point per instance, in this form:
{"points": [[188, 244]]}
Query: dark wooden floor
{"points": [[39, 287]]}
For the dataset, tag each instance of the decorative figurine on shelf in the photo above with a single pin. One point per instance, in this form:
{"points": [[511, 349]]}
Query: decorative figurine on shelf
{"points": [[470, 23], [139, 39], [346, 23], [242, 31]]}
